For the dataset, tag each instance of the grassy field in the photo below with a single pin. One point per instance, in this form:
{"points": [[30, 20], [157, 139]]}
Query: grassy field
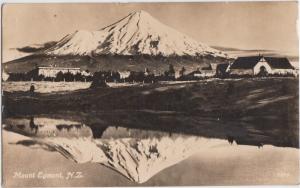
{"points": [[44, 87], [260, 111], [54, 87]]}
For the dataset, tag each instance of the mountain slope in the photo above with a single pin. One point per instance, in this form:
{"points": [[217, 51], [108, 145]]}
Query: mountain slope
{"points": [[138, 33], [136, 159]]}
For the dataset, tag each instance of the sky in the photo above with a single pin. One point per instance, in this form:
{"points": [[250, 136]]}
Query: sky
{"points": [[244, 25]]}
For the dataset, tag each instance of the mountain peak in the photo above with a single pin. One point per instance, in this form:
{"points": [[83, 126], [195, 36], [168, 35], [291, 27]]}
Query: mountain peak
{"points": [[137, 33], [141, 13]]}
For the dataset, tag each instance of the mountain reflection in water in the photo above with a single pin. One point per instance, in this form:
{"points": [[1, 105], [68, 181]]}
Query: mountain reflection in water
{"points": [[138, 154]]}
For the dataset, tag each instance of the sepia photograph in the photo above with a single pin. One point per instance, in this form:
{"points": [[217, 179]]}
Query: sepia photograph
{"points": [[150, 94]]}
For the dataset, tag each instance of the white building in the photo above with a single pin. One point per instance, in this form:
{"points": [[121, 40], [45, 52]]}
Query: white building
{"points": [[5, 76], [209, 71], [255, 65], [86, 73], [52, 71], [124, 74]]}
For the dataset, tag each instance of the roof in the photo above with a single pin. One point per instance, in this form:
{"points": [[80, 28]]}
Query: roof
{"points": [[250, 61], [194, 72], [207, 68], [60, 68], [245, 62], [124, 72], [279, 62], [222, 67]]}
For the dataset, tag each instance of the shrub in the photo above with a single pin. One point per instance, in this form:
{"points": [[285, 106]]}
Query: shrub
{"points": [[98, 81], [98, 84]]}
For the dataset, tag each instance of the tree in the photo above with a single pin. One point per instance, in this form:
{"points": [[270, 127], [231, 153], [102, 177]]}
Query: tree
{"points": [[171, 70], [170, 74], [182, 71], [79, 77], [98, 84], [115, 77], [59, 76], [136, 76], [31, 89], [150, 78], [147, 71], [69, 77], [40, 77], [263, 71], [98, 81]]}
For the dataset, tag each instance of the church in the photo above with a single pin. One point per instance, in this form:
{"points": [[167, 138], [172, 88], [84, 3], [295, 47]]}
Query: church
{"points": [[261, 66]]}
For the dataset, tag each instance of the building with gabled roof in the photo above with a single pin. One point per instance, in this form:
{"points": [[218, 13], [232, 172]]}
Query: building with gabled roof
{"points": [[260, 65], [52, 71], [194, 75], [208, 71]]}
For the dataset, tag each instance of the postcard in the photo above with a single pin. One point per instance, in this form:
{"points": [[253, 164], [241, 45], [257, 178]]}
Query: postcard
{"points": [[150, 94]]}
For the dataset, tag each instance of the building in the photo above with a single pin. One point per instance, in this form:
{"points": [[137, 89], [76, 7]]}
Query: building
{"points": [[52, 71], [208, 71], [124, 74], [5, 75], [260, 65], [221, 70], [86, 73], [193, 75], [197, 73]]}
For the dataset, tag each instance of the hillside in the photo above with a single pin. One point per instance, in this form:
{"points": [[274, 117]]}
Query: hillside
{"points": [[109, 62]]}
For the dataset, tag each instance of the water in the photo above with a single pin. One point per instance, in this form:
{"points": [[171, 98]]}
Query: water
{"points": [[110, 154]]}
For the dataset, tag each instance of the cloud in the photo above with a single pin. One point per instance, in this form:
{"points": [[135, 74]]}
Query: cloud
{"points": [[32, 49]]}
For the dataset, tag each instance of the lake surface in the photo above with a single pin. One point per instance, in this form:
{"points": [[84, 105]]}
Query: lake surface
{"points": [[49, 150]]}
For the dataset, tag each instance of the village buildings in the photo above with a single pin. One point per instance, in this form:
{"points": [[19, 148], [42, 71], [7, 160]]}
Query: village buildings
{"points": [[242, 66], [197, 74], [212, 70], [53, 71]]}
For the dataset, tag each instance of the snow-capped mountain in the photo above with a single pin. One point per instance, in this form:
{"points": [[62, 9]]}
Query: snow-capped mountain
{"points": [[135, 153], [136, 159], [137, 33]]}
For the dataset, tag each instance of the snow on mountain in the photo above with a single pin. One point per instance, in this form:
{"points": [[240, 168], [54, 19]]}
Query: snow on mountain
{"points": [[79, 43], [136, 154], [137, 33], [136, 159]]}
